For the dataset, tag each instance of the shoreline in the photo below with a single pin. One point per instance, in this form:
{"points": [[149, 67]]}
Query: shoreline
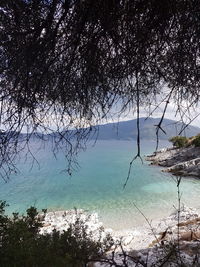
{"points": [[158, 159], [149, 242], [139, 237], [183, 161]]}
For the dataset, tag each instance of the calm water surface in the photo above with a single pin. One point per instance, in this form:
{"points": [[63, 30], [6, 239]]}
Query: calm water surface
{"points": [[98, 185]]}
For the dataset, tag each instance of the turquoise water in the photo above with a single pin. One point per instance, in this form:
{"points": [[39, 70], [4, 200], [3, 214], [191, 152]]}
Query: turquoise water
{"points": [[98, 185]]}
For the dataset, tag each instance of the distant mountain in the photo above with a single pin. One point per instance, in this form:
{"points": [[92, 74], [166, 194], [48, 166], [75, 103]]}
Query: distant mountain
{"points": [[126, 130]]}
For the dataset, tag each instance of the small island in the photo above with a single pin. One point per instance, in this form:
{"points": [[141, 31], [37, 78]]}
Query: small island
{"points": [[182, 159]]}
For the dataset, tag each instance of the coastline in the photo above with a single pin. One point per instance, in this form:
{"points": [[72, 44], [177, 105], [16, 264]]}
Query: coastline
{"points": [[138, 237], [148, 239], [165, 157], [183, 161]]}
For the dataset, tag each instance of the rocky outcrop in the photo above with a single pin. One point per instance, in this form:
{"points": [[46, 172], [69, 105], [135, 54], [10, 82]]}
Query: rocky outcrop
{"points": [[162, 243], [61, 221], [187, 168], [151, 243], [179, 161]]}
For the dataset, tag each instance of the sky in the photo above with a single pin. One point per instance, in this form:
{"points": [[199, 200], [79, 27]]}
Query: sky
{"points": [[130, 115]]}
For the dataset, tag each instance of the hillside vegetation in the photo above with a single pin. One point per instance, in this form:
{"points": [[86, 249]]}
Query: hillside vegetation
{"points": [[182, 141]]}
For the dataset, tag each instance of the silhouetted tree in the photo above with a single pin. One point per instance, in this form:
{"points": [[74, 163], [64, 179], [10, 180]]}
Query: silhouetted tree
{"points": [[67, 62]]}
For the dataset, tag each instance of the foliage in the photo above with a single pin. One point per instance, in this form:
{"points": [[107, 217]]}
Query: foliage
{"points": [[22, 245], [179, 141], [196, 141], [66, 63], [182, 141]]}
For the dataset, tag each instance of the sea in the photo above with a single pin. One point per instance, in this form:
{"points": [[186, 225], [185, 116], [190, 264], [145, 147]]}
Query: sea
{"points": [[96, 185]]}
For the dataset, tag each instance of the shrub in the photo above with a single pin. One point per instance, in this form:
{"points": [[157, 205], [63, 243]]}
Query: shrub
{"points": [[196, 141], [22, 245], [179, 141]]}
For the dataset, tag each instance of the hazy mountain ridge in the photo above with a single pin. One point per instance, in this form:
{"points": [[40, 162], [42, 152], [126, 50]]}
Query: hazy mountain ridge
{"points": [[126, 130]]}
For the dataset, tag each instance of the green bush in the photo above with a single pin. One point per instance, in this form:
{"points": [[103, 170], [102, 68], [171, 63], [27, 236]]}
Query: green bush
{"points": [[196, 141], [179, 141], [22, 245]]}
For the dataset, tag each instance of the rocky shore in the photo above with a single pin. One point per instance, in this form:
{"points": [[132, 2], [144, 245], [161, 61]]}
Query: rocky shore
{"points": [[61, 220], [178, 161], [171, 241], [175, 238], [146, 243]]}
